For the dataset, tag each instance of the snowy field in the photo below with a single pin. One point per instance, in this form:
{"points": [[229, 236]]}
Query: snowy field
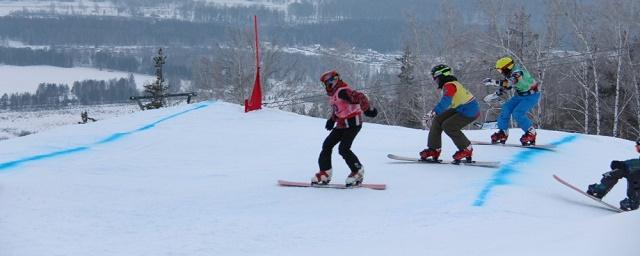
{"points": [[18, 79], [273, 4], [201, 180], [108, 8], [20, 123], [78, 7]]}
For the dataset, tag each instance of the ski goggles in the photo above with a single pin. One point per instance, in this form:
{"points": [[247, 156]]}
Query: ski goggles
{"points": [[446, 72], [504, 71], [330, 82]]}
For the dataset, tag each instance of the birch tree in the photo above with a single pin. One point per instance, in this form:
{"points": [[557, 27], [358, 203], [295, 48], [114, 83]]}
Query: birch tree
{"points": [[581, 24]]}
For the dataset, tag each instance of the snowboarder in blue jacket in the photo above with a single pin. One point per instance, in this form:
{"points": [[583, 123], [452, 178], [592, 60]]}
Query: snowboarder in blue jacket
{"points": [[525, 98], [629, 169]]}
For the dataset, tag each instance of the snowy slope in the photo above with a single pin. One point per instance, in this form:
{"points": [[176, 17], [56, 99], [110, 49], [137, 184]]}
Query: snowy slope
{"points": [[18, 79], [109, 8], [78, 7], [201, 180], [18, 123]]}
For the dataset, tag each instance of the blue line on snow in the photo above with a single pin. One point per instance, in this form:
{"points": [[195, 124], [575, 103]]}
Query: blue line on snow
{"points": [[11, 164], [501, 177], [111, 138]]}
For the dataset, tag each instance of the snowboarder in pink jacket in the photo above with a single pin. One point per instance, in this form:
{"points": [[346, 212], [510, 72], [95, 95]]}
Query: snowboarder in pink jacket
{"points": [[345, 122]]}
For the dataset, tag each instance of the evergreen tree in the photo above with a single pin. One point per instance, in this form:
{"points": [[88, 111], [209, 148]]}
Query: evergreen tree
{"points": [[4, 101], [158, 88], [408, 98]]}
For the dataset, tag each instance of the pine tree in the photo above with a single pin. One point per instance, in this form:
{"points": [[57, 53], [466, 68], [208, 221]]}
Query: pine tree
{"points": [[158, 88], [4, 101], [408, 95]]}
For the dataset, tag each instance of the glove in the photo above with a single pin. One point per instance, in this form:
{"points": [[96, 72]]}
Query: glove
{"points": [[427, 117], [371, 112], [430, 115], [494, 97], [618, 165], [490, 82], [629, 204], [329, 124]]}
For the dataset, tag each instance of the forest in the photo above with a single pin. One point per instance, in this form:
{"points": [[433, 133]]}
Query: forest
{"points": [[583, 53]]}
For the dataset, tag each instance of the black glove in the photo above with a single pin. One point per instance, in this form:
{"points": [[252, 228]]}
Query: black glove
{"points": [[618, 165], [371, 112], [329, 124]]}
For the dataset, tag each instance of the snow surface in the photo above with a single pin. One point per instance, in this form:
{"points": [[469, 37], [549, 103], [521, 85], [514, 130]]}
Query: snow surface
{"points": [[201, 180], [108, 8], [280, 5], [17, 79], [77, 7], [4, 42], [18, 123]]}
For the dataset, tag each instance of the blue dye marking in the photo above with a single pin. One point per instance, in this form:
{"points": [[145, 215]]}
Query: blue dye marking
{"points": [[11, 164], [111, 138], [501, 177]]}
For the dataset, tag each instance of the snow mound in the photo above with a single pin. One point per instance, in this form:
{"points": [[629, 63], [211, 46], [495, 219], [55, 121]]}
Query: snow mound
{"points": [[201, 180]]}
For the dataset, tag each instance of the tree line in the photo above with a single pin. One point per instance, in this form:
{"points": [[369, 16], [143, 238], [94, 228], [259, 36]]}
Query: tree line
{"points": [[585, 57], [585, 54], [86, 92], [586, 60], [378, 34], [28, 56]]}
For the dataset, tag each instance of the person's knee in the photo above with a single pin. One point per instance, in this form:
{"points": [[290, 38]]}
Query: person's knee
{"points": [[436, 125], [447, 127], [327, 148], [520, 115], [505, 115], [343, 151], [509, 106], [325, 152], [520, 112], [635, 185], [450, 130]]}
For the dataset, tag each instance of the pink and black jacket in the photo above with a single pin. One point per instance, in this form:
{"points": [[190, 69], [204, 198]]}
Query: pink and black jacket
{"points": [[348, 106]]}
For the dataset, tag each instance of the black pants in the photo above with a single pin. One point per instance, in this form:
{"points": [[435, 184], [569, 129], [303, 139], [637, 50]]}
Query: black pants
{"points": [[610, 179], [345, 137]]}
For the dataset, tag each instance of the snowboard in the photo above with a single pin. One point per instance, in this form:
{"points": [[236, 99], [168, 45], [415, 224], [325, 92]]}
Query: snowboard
{"points": [[286, 183], [418, 160], [539, 147], [605, 204]]}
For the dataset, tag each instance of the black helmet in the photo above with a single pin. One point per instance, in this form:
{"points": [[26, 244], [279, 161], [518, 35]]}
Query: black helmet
{"points": [[441, 70]]}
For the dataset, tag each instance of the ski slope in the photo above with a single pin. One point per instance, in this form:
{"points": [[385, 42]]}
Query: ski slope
{"points": [[201, 180]]}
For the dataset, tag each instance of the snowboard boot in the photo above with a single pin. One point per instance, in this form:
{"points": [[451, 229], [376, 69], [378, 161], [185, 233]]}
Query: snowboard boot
{"points": [[463, 154], [499, 137], [628, 204], [355, 178], [430, 154], [529, 138], [597, 190], [322, 177]]}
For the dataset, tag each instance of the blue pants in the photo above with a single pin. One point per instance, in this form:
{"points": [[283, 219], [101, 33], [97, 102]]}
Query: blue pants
{"points": [[518, 106]]}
